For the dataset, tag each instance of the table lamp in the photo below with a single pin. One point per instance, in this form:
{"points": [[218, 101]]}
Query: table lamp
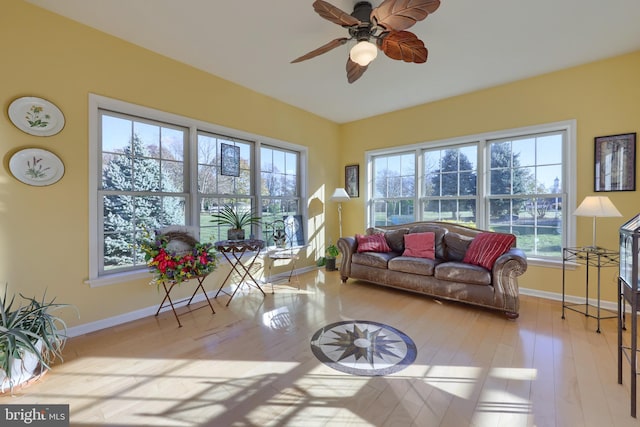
{"points": [[340, 195], [596, 207]]}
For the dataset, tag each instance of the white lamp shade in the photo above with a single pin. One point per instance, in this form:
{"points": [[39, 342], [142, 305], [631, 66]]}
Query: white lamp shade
{"points": [[340, 195], [363, 53], [597, 206]]}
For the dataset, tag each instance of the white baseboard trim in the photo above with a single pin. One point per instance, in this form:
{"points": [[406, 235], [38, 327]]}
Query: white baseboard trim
{"points": [[571, 299], [110, 322]]}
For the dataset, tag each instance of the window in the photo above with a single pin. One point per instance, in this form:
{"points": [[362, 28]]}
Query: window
{"points": [[142, 185], [526, 191], [394, 188], [450, 184], [516, 181], [216, 190], [151, 169]]}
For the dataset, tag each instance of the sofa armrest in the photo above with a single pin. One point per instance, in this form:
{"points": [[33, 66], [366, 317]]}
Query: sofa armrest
{"points": [[347, 246], [504, 279]]}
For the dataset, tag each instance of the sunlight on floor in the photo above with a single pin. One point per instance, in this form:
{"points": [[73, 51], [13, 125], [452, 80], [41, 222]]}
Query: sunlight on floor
{"points": [[188, 392]]}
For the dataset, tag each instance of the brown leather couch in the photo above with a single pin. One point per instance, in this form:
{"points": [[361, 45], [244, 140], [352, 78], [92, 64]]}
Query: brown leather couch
{"points": [[445, 277]]}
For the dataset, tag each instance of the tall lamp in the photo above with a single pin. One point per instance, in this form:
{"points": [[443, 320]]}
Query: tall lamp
{"points": [[340, 195], [596, 207]]}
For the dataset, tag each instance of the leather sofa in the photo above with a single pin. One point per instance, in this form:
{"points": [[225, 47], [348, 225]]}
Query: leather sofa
{"points": [[446, 276]]}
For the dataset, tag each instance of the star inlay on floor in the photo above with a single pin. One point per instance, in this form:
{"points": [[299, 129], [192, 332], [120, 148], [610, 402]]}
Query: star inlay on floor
{"points": [[361, 347]]}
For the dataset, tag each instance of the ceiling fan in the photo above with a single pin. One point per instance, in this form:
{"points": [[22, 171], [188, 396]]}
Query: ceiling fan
{"points": [[385, 25]]}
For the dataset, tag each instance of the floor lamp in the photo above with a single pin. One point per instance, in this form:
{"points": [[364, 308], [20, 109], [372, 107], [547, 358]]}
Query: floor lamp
{"points": [[596, 207], [340, 195]]}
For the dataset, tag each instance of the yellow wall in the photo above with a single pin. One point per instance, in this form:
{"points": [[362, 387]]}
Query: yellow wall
{"points": [[604, 99], [44, 230]]}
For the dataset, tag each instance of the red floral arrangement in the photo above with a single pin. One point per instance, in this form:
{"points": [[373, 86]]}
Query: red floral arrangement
{"points": [[177, 266]]}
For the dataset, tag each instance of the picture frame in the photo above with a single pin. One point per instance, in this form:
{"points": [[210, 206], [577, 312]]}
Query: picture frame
{"points": [[229, 160], [352, 180], [615, 162]]}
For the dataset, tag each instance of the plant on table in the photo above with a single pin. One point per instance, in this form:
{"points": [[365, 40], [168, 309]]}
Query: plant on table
{"points": [[230, 216]]}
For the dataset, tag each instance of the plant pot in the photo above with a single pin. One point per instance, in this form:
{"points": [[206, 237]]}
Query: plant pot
{"points": [[22, 370], [235, 234], [330, 264]]}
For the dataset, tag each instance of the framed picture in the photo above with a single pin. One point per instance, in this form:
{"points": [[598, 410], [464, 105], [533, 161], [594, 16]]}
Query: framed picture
{"points": [[352, 180], [615, 162], [230, 160]]}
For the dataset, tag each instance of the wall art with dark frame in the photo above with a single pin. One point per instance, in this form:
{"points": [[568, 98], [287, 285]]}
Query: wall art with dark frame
{"points": [[352, 180], [229, 160], [615, 162]]}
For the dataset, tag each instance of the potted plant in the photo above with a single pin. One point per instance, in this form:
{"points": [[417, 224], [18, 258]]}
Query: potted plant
{"points": [[330, 259], [31, 338], [236, 221]]}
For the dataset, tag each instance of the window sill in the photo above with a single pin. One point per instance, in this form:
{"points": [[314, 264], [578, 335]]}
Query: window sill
{"points": [[551, 263], [116, 278]]}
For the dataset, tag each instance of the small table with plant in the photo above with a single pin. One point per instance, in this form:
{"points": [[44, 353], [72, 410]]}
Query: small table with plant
{"points": [[233, 250], [176, 257]]}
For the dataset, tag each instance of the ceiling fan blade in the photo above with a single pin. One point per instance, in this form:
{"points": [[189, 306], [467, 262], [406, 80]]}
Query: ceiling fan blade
{"points": [[333, 14], [399, 15], [322, 49], [355, 70], [405, 46]]}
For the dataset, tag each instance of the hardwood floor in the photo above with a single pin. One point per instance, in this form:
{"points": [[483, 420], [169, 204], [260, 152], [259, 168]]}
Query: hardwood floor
{"points": [[251, 364]]}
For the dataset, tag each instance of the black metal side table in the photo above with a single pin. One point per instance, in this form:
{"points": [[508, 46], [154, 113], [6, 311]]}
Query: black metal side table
{"points": [[233, 250], [589, 257]]}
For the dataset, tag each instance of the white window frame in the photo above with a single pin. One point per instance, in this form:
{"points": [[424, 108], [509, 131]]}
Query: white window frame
{"points": [[568, 174], [97, 102]]}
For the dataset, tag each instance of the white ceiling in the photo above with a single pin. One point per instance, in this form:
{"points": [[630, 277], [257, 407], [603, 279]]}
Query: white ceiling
{"points": [[473, 44]]}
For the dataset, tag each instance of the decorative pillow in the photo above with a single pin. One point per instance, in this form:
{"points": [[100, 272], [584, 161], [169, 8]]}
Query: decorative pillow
{"points": [[372, 243], [439, 231], [487, 247], [420, 245]]}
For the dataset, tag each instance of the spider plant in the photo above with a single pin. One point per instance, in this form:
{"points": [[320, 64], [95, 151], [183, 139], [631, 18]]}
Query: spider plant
{"points": [[29, 328], [230, 216]]}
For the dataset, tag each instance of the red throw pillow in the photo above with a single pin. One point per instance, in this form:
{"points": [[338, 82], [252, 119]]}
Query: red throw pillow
{"points": [[485, 248], [420, 245], [372, 243]]}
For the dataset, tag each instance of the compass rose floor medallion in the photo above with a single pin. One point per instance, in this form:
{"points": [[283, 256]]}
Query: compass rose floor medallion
{"points": [[361, 347]]}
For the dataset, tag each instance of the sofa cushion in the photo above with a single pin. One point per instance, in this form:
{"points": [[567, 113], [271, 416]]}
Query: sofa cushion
{"points": [[420, 245], [421, 266], [395, 239], [372, 243], [373, 259], [439, 232], [456, 246], [487, 247], [462, 273]]}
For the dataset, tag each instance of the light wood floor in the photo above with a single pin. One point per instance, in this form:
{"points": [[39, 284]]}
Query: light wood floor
{"points": [[250, 364]]}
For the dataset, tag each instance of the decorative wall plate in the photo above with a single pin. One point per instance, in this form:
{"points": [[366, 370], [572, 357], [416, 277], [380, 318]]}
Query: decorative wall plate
{"points": [[36, 116], [35, 166]]}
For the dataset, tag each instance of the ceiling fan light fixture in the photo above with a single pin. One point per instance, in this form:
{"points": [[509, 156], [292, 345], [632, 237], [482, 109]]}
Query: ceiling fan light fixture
{"points": [[363, 53]]}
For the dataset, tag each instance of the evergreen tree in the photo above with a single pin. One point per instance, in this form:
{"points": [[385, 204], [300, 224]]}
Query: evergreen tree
{"points": [[126, 216], [456, 177], [508, 178]]}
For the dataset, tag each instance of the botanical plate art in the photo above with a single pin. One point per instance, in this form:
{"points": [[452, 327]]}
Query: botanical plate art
{"points": [[36, 116], [35, 166]]}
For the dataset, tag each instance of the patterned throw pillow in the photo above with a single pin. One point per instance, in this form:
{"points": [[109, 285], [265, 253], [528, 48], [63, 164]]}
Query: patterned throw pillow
{"points": [[420, 245], [372, 243], [487, 247]]}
